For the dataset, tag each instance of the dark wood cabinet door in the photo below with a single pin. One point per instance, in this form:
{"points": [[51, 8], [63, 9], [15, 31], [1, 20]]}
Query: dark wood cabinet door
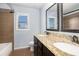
{"points": [[39, 52], [35, 50], [44, 51], [35, 47], [40, 48]]}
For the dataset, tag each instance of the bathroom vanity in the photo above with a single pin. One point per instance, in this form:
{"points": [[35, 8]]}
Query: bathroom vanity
{"points": [[44, 45], [59, 44]]}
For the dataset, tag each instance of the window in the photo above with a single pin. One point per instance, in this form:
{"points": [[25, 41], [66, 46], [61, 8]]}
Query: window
{"points": [[22, 21], [51, 23]]}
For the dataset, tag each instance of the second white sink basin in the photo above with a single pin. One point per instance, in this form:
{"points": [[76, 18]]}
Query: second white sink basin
{"points": [[68, 48]]}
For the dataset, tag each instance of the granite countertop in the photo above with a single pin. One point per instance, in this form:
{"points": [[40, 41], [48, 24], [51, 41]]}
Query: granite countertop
{"points": [[48, 41]]}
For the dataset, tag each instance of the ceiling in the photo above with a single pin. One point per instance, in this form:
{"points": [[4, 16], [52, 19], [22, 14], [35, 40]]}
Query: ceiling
{"points": [[31, 5]]}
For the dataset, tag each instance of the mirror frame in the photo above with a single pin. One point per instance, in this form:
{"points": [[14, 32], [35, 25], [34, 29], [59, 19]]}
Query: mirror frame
{"points": [[62, 29], [57, 17]]}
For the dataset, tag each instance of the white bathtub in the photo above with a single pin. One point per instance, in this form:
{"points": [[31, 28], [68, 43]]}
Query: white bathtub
{"points": [[5, 49]]}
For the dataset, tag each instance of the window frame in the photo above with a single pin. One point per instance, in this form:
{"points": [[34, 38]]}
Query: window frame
{"points": [[17, 20]]}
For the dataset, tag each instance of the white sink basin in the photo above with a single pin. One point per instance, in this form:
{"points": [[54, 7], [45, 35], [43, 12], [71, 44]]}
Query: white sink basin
{"points": [[68, 48]]}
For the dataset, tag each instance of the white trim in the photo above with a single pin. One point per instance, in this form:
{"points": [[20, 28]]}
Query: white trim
{"points": [[23, 14], [21, 47]]}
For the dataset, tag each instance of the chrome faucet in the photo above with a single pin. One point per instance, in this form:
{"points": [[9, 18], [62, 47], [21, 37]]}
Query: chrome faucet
{"points": [[75, 39], [47, 33]]}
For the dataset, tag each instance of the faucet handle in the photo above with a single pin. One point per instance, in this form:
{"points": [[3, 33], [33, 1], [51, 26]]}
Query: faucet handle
{"points": [[75, 39], [46, 32]]}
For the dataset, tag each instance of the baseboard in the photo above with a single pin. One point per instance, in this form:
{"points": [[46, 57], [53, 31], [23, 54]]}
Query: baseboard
{"points": [[21, 47]]}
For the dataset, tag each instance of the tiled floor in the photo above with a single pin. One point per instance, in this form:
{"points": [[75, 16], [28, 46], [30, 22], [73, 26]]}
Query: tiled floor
{"points": [[22, 52]]}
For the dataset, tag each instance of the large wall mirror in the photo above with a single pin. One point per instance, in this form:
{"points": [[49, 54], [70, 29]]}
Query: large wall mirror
{"points": [[52, 17], [70, 19]]}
